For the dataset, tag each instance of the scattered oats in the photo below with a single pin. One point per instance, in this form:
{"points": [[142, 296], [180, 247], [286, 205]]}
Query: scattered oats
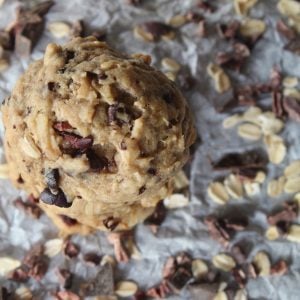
{"points": [[260, 177], [59, 29], [217, 192], [180, 180], [3, 64], [171, 75], [4, 171], [199, 268], [240, 295], [251, 188], [29, 147], [294, 233], [221, 79], [220, 296], [243, 6], [275, 187], [252, 115], [272, 233], [289, 8], [232, 121], [126, 288], [269, 123], [290, 82], [275, 147], [8, 264], [223, 262], [177, 21], [108, 259], [291, 92], [250, 132], [53, 247], [292, 185], [252, 28], [141, 34], [23, 293], [293, 169], [262, 264], [176, 201], [170, 64], [234, 186]]}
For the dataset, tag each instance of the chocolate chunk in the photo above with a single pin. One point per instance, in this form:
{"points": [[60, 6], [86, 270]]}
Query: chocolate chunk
{"points": [[74, 144], [96, 76], [292, 108], [234, 59], [65, 278], [97, 163], [20, 180], [36, 262], [293, 46], [111, 223], [152, 171], [142, 189], [286, 31], [247, 173], [20, 274], [206, 6], [68, 221], [58, 199], [161, 291], [156, 29], [71, 249], [28, 27], [118, 115], [284, 217], [133, 2], [178, 270], [158, 215], [280, 268], [53, 86], [62, 126], [100, 35], [275, 79], [52, 179], [92, 258], [193, 17], [28, 207], [277, 103], [236, 161], [217, 230], [229, 31]]}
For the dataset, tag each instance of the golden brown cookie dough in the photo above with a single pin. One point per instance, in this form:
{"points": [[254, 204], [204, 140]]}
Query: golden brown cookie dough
{"points": [[95, 134]]}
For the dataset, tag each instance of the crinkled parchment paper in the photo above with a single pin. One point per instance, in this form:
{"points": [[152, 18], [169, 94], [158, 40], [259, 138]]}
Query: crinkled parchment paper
{"points": [[183, 229]]}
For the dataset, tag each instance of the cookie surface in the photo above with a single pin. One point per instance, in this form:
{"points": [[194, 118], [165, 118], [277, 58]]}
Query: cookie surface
{"points": [[95, 134]]}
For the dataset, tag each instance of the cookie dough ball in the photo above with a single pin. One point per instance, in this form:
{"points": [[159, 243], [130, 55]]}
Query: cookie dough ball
{"points": [[96, 135]]}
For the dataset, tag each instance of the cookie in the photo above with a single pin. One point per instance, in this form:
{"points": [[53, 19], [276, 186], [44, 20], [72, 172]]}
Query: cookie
{"points": [[95, 134]]}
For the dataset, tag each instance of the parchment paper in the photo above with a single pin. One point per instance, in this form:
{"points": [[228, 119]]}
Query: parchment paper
{"points": [[183, 229]]}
